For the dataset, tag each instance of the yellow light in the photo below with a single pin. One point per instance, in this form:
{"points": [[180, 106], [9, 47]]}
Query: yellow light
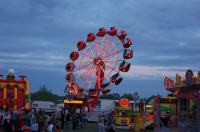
{"points": [[73, 102]]}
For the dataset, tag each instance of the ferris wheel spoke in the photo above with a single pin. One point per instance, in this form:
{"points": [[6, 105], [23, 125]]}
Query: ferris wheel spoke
{"points": [[84, 61], [90, 48], [110, 67], [81, 67], [107, 48], [97, 48], [105, 75], [84, 54], [87, 75], [118, 43], [114, 46], [114, 53], [100, 49], [112, 60], [102, 42], [93, 54], [108, 44]]}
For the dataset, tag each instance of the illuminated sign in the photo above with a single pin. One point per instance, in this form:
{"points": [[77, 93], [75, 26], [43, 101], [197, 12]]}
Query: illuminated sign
{"points": [[73, 102]]}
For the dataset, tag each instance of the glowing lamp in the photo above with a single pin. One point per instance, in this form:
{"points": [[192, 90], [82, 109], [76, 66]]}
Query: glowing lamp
{"points": [[124, 102], [73, 102]]}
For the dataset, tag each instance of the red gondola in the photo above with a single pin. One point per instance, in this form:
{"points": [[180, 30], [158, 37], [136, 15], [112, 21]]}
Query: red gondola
{"points": [[121, 35], [128, 53], [104, 85], [93, 93], [127, 43], [124, 66], [112, 31], [91, 37], [115, 76], [80, 90], [73, 88], [81, 45], [69, 77], [101, 32], [118, 81], [70, 67], [106, 91], [74, 55]]}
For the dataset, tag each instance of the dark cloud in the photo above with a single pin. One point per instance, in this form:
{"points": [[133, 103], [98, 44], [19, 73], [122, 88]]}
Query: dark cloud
{"points": [[166, 33]]}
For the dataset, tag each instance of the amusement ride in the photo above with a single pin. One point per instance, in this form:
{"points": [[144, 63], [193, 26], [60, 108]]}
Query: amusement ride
{"points": [[95, 64]]}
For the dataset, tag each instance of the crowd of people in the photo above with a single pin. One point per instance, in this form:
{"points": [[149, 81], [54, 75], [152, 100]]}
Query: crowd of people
{"points": [[40, 121], [13, 121], [106, 123]]}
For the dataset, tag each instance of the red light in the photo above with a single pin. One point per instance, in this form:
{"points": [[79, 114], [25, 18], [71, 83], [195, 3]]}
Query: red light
{"points": [[124, 102]]}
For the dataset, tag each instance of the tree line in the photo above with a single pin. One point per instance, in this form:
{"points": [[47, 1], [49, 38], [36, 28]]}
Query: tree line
{"points": [[45, 94]]}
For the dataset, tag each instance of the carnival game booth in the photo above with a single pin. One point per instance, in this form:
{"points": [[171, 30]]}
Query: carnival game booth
{"points": [[123, 114], [187, 92], [72, 103], [14, 93], [166, 110]]}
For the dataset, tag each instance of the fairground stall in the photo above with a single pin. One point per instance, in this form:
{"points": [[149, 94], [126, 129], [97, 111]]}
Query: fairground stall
{"points": [[165, 109], [123, 114], [187, 92], [14, 93]]}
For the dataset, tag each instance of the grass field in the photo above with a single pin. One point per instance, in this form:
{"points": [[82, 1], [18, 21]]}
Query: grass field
{"points": [[91, 127]]}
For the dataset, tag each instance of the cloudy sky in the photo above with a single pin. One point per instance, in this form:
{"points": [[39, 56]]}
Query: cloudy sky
{"points": [[36, 37]]}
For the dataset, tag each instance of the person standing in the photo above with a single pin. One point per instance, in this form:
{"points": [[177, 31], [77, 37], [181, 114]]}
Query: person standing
{"points": [[74, 119], [62, 118], [50, 127], [100, 126], [67, 119], [58, 129], [7, 126], [34, 125]]}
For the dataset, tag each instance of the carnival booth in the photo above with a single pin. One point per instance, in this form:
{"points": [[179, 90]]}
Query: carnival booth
{"points": [[166, 110], [123, 114], [187, 93], [14, 93]]}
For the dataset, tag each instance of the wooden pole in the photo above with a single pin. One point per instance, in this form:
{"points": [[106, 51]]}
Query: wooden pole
{"points": [[15, 98], [4, 96]]}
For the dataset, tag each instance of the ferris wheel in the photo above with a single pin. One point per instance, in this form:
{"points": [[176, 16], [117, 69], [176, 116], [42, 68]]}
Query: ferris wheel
{"points": [[97, 63]]}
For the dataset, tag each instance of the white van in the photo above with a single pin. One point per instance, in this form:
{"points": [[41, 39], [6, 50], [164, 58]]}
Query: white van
{"points": [[47, 106]]}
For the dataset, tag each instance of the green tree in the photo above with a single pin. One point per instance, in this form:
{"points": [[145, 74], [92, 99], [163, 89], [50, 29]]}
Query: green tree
{"points": [[128, 96], [136, 96], [110, 96], [107, 96], [116, 96], [45, 94]]}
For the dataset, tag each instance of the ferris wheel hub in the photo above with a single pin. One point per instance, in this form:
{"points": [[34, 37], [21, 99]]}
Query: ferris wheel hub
{"points": [[98, 61]]}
